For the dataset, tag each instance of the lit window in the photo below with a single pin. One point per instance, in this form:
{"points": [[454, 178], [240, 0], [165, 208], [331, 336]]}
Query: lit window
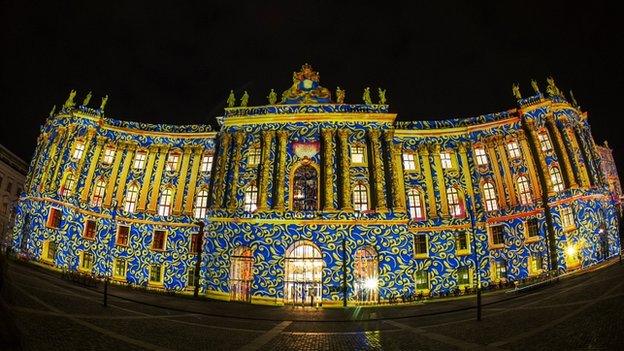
{"points": [[461, 242], [481, 156], [463, 276], [535, 264], [251, 198], [514, 150], [567, 217], [98, 192], [155, 275], [109, 155], [420, 244], [415, 205], [422, 280], [206, 163], [556, 179], [86, 264], [158, 240], [445, 158], [139, 159], [489, 195], [51, 249], [532, 228], [89, 229], [360, 198], [497, 235], [524, 190], [544, 141], [409, 161], [173, 160], [68, 184], [120, 268], [194, 243], [253, 157], [132, 194], [164, 205], [500, 270], [305, 189], [123, 232], [78, 150], [455, 203], [54, 218], [358, 155], [201, 204], [191, 277]]}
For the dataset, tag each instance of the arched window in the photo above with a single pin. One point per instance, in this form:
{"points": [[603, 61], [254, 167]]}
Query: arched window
{"points": [[201, 204], [455, 202], [164, 205], [415, 204], [206, 163], [109, 155], [513, 149], [489, 195], [481, 156], [544, 141], [303, 274], [68, 184], [251, 198], [556, 179], [360, 198], [524, 190], [366, 275], [305, 189], [98, 192], [139, 159], [132, 194], [78, 150], [173, 160]]}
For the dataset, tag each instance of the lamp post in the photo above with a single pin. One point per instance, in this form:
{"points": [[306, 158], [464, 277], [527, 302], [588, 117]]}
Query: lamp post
{"points": [[200, 244], [107, 274], [476, 255]]}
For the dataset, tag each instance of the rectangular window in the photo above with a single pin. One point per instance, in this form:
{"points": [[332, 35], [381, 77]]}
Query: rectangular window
{"points": [[445, 158], [206, 164], [173, 159], [191, 277], [567, 217], [461, 242], [422, 280], [120, 268], [253, 157], [535, 264], [54, 218], [155, 274], [139, 159], [123, 232], [500, 270], [86, 264], [532, 228], [89, 229], [463, 276], [409, 161], [78, 150], [514, 150], [420, 244], [544, 141], [194, 243], [497, 235], [358, 155], [481, 156], [158, 242], [109, 155], [52, 248]]}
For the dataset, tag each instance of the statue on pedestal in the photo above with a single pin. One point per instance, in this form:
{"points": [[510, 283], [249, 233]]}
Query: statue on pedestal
{"points": [[70, 100], [86, 100], [515, 89], [231, 101], [535, 86], [366, 96], [272, 97], [340, 95], [244, 99], [382, 96], [103, 104]]}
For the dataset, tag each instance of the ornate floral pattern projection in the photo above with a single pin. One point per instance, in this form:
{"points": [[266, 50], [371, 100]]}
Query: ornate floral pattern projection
{"points": [[135, 187]]}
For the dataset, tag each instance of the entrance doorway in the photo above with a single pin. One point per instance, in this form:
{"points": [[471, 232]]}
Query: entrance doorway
{"points": [[241, 274], [303, 275], [365, 274]]}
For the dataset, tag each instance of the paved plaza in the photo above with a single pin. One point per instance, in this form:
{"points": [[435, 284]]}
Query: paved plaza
{"points": [[43, 311]]}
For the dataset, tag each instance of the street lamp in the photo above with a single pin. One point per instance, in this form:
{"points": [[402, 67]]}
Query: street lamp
{"points": [[476, 255], [108, 251], [200, 244]]}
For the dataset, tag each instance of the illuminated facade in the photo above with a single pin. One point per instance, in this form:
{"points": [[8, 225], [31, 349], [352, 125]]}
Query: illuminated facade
{"points": [[305, 196]]}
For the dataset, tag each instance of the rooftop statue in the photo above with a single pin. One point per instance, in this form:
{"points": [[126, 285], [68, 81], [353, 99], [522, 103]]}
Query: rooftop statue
{"points": [[272, 97], [535, 86], [340, 95], [552, 89], [52, 111], [366, 96], [515, 89], [306, 89], [382, 96], [231, 101], [574, 100], [70, 100], [103, 104], [244, 99], [86, 100]]}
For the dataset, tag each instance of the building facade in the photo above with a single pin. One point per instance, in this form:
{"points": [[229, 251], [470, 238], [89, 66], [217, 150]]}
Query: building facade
{"points": [[307, 200], [12, 176]]}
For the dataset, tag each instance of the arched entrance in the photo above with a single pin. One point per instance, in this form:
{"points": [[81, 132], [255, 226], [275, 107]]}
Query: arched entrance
{"points": [[241, 274], [303, 274], [366, 275]]}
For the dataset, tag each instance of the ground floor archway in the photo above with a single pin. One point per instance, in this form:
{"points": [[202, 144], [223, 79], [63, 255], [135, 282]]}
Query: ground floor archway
{"points": [[303, 274], [241, 274]]}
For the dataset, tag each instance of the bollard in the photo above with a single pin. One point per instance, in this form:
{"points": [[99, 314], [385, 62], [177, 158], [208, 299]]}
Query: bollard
{"points": [[479, 304], [106, 292]]}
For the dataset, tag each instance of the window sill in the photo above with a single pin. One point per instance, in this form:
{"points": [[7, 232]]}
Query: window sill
{"points": [[87, 238], [122, 245], [462, 253], [496, 246], [155, 285], [421, 256], [532, 239]]}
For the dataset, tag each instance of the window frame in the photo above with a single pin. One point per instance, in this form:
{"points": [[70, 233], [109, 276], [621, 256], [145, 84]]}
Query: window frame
{"points": [[174, 158], [165, 201], [130, 206], [469, 272], [479, 158], [427, 278], [193, 243], [56, 222], [360, 197], [358, 146], [108, 156], [141, 161], [564, 212], [528, 224], [207, 163], [417, 242], [125, 268], [490, 197], [491, 236], [452, 193], [409, 165], [99, 190], [412, 209], [513, 150], [447, 161], [250, 198], [85, 229], [127, 237], [165, 234], [254, 155], [161, 272], [544, 140], [79, 148], [523, 186], [556, 178], [82, 261], [467, 240]]}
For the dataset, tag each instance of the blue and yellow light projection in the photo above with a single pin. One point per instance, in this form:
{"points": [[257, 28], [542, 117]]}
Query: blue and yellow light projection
{"points": [[311, 200]]}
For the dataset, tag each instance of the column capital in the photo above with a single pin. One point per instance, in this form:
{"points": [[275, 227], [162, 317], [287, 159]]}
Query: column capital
{"points": [[282, 134], [71, 128], [91, 132], [343, 133], [423, 149], [101, 140]]}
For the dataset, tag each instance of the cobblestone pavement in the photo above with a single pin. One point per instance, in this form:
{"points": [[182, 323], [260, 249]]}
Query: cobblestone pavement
{"points": [[581, 312]]}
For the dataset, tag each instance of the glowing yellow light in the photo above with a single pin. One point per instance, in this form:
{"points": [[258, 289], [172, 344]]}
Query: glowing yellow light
{"points": [[571, 250], [371, 284]]}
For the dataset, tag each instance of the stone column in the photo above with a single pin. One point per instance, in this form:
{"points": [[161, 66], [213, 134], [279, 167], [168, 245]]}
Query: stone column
{"points": [[34, 169], [345, 170], [424, 151], [147, 177], [530, 165], [49, 163], [179, 194], [437, 162], [328, 168], [562, 155], [395, 164], [162, 158], [263, 189], [498, 179], [586, 156], [87, 145], [463, 155], [377, 170], [219, 183], [280, 180], [112, 180], [572, 147], [502, 154], [128, 160], [84, 195], [60, 150], [192, 185], [238, 143], [543, 167]]}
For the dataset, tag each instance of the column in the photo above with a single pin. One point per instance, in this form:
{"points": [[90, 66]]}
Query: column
{"points": [[437, 163], [328, 167], [190, 197], [280, 180], [585, 155], [424, 151], [498, 179], [50, 158], [219, 182], [162, 158], [84, 195], [263, 189], [34, 170], [87, 145], [147, 177], [128, 160], [179, 194], [238, 144], [543, 167], [502, 154], [395, 164], [530, 165], [377, 171], [112, 180], [463, 155], [570, 139], [562, 155], [345, 170], [61, 155]]}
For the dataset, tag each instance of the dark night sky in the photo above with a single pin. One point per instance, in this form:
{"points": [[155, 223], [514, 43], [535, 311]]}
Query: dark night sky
{"points": [[176, 64]]}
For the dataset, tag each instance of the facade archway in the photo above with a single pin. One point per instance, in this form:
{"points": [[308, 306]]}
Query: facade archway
{"points": [[366, 273], [241, 274], [303, 274]]}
